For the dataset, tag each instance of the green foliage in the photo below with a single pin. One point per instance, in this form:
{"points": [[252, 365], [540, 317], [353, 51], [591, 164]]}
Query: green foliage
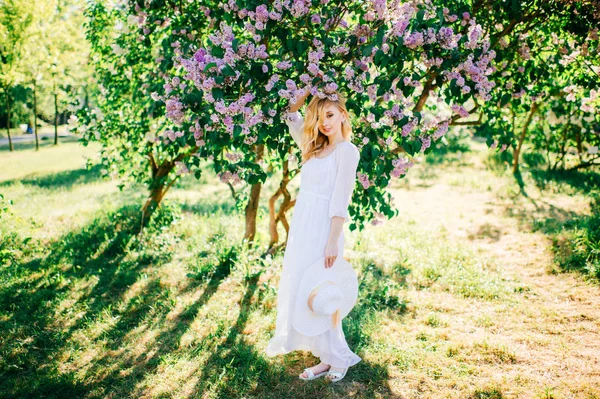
{"points": [[149, 58], [576, 243], [41, 43], [4, 205], [489, 393], [382, 288], [547, 84]]}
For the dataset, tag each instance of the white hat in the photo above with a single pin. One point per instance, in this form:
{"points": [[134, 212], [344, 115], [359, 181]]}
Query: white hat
{"points": [[325, 296]]}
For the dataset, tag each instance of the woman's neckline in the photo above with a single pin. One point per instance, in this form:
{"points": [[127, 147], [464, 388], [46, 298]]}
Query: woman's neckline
{"points": [[334, 150]]}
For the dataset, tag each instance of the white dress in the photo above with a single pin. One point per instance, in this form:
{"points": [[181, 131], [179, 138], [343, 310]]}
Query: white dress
{"points": [[326, 186]]}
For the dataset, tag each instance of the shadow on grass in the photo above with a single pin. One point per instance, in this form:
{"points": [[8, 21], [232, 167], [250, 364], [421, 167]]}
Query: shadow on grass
{"points": [[95, 253], [92, 318], [66, 179], [575, 237], [575, 241], [236, 369], [84, 281], [582, 181]]}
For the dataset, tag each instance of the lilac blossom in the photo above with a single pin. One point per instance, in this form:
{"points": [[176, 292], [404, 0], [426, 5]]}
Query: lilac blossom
{"points": [[401, 166], [460, 110], [363, 180], [175, 110], [425, 143]]}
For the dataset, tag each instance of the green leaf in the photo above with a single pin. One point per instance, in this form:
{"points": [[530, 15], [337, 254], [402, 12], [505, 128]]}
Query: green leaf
{"points": [[237, 130], [302, 46], [228, 71], [217, 93]]}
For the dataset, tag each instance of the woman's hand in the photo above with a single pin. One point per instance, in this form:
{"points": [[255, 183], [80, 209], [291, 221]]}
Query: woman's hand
{"points": [[293, 107], [331, 254]]}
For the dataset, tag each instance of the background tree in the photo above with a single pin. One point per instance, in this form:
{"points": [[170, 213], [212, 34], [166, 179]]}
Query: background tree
{"points": [[15, 19], [68, 53], [544, 51]]}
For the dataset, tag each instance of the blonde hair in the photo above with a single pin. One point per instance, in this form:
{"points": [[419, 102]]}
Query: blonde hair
{"points": [[313, 141]]}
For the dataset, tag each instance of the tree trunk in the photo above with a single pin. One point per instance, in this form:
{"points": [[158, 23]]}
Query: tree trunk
{"points": [[517, 151], [37, 140], [158, 189], [157, 193], [10, 144], [251, 212], [280, 215], [427, 88], [579, 144], [55, 116], [252, 206]]}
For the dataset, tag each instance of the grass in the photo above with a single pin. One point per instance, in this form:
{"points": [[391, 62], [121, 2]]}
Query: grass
{"points": [[575, 233], [455, 300]]}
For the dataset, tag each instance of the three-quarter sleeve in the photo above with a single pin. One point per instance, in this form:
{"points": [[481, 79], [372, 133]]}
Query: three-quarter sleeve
{"points": [[347, 158], [295, 122]]}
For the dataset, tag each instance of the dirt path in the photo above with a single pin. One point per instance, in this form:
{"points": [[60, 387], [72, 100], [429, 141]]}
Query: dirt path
{"points": [[553, 327]]}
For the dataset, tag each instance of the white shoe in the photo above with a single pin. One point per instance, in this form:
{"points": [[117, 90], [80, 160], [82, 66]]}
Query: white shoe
{"points": [[311, 375], [335, 376]]}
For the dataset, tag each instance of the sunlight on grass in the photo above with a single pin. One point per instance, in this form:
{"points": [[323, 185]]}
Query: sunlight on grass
{"points": [[184, 310]]}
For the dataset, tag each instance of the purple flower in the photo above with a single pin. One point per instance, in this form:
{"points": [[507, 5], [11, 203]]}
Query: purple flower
{"points": [[380, 7], [441, 130], [413, 40], [175, 110], [290, 84], [315, 56], [407, 128], [330, 87], [460, 110], [199, 56], [401, 165], [305, 78], [284, 65], [425, 143], [364, 180]]}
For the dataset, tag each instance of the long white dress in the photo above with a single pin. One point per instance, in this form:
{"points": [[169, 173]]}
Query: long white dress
{"points": [[326, 186]]}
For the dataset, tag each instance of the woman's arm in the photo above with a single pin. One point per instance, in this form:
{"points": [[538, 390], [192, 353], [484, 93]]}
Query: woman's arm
{"points": [[331, 249], [294, 119], [296, 106], [347, 159]]}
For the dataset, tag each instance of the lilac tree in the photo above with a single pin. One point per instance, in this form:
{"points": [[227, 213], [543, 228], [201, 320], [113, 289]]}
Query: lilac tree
{"points": [[230, 94], [185, 82]]}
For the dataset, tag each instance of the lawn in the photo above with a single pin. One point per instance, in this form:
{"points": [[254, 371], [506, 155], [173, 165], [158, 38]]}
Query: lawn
{"points": [[464, 295]]}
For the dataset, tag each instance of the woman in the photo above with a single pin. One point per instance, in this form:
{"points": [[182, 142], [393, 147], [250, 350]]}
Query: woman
{"points": [[328, 176]]}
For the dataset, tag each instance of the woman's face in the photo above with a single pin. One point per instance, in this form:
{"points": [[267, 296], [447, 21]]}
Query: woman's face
{"points": [[332, 123]]}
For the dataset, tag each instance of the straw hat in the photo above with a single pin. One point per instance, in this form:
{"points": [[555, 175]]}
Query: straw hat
{"points": [[325, 296]]}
